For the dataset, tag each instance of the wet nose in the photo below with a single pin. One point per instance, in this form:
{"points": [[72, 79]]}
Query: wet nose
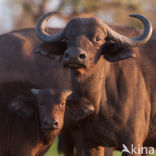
{"points": [[82, 56], [76, 54], [50, 124]]}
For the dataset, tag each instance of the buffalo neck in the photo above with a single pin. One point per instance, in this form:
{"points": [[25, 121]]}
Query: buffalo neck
{"points": [[90, 84]]}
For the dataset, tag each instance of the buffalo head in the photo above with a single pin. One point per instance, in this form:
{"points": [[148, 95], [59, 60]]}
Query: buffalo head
{"points": [[49, 104], [84, 41]]}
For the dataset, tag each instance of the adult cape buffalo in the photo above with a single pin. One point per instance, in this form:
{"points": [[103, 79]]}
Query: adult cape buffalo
{"points": [[21, 69], [123, 93]]}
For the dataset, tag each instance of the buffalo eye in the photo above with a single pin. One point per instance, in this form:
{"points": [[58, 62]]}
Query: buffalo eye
{"points": [[62, 103], [98, 38], [66, 39]]}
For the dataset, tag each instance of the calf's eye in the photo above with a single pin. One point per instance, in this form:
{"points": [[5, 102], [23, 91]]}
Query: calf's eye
{"points": [[62, 103]]}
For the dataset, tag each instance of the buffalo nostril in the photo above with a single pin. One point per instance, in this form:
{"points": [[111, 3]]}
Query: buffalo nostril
{"points": [[56, 124], [82, 56], [66, 55]]}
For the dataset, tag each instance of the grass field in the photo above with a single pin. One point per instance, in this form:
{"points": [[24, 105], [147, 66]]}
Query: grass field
{"points": [[53, 151]]}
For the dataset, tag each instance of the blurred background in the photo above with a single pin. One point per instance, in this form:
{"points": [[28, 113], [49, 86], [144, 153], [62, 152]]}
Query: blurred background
{"points": [[17, 14]]}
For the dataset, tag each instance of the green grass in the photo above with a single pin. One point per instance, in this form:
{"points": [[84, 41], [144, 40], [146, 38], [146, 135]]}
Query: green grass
{"points": [[53, 150]]}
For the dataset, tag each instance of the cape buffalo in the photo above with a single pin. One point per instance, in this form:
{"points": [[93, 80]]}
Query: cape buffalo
{"points": [[29, 125], [20, 68], [115, 73]]}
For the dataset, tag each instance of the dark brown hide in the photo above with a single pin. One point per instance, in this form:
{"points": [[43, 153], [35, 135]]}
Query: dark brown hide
{"points": [[119, 80]]}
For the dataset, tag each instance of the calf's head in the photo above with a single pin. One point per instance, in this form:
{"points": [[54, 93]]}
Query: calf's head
{"points": [[84, 41], [49, 104]]}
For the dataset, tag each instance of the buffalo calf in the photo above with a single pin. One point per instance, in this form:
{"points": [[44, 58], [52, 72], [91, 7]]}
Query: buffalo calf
{"points": [[30, 124]]}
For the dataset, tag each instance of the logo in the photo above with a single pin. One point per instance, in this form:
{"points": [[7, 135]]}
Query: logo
{"points": [[137, 149]]}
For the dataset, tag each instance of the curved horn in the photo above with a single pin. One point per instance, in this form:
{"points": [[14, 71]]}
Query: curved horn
{"points": [[40, 29], [142, 39]]}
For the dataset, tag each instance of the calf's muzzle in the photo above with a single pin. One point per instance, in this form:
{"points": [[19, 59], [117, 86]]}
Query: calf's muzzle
{"points": [[50, 124]]}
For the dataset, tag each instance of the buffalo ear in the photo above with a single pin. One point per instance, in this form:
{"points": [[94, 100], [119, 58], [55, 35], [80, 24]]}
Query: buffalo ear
{"points": [[67, 92], [23, 106], [115, 52], [51, 50], [80, 109]]}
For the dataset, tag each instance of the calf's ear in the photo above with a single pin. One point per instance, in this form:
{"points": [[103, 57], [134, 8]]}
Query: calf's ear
{"points": [[23, 106], [79, 109], [115, 52], [50, 50], [67, 92]]}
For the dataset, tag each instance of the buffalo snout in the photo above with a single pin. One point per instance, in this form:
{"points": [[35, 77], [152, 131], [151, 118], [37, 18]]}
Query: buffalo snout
{"points": [[50, 124], [75, 57]]}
